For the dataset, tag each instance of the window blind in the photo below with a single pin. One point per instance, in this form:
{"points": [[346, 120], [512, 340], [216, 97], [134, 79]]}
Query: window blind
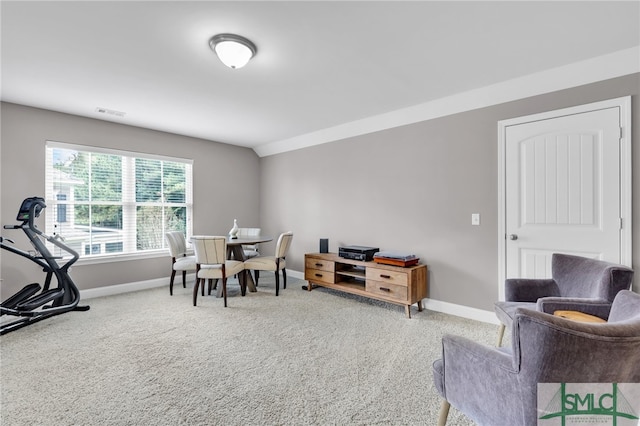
{"points": [[108, 203]]}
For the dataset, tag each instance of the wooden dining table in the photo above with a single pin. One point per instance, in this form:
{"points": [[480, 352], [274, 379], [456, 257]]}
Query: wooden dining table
{"points": [[235, 252]]}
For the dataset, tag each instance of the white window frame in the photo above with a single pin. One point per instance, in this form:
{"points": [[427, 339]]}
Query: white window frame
{"points": [[128, 201]]}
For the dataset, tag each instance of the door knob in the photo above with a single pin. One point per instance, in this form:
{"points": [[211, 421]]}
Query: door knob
{"points": [[513, 237]]}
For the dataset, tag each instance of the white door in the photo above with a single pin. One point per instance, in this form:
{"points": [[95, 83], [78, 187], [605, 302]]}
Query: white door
{"points": [[564, 189]]}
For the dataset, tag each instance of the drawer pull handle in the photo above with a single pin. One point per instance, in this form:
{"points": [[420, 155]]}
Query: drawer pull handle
{"points": [[319, 264], [385, 289], [318, 275], [385, 276]]}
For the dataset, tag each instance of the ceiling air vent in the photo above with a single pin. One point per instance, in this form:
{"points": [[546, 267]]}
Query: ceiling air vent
{"points": [[110, 112]]}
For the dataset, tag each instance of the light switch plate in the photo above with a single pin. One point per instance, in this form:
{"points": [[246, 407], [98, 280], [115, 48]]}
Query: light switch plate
{"points": [[475, 218]]}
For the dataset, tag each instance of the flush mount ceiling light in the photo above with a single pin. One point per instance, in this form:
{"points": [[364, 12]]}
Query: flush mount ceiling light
{"points": [[233, 50]]}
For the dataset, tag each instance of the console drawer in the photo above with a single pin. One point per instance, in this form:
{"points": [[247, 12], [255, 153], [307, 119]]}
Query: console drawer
{"points": [[393, 291], [322, 265], [315, 275], [387, 276]]}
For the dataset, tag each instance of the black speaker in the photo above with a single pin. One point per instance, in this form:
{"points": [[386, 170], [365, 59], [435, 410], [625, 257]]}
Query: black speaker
{"points": [[324, 245]]}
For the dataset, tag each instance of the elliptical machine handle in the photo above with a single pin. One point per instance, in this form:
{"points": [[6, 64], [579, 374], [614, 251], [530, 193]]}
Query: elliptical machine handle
{"points": [[38, 205]]}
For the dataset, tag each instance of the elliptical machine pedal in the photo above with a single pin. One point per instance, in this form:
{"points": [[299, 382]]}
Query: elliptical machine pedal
{"points": [[40, 300], [26, 292]]}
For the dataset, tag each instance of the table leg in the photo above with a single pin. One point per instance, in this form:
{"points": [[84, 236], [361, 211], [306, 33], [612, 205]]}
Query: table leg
{"points": [[238, 254]]}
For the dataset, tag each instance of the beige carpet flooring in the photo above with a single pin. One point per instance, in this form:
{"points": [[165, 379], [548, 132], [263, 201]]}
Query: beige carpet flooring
{"points": [[303, 358]]}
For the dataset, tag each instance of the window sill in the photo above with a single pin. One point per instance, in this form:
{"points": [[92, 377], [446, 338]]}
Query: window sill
{"points": [[121, 258]]}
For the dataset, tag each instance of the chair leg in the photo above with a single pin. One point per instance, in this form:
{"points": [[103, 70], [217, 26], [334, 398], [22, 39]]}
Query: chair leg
{"points": [[257, 276], [500, 335], [444, 413], [277, 282], [224, 290], [243, 282], [284, 278], [173, 276], [184, 279], [195, 291], [210, 286]]}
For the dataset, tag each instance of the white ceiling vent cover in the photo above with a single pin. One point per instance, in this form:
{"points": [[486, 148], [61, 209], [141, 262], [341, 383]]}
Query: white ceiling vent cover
{"points": [[110, 112]]}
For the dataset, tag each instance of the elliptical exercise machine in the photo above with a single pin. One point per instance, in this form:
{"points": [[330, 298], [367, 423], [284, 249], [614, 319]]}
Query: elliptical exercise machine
{"points": [[29, 304]]}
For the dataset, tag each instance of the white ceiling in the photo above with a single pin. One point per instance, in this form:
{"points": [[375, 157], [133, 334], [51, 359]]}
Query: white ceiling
{"points": [[319, 64]]}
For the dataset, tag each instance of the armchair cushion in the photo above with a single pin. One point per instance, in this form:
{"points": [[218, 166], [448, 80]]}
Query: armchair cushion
{"points": [[597, 307], [589, 278], [529, 289], [506, 311], [625, 307]]}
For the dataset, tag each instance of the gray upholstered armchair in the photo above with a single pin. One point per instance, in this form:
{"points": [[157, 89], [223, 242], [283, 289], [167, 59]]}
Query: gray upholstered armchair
{"points": [[498, 386], [577, 284]]}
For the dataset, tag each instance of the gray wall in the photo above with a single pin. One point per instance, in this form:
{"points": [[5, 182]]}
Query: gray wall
{"points": [[414, 188], [410, 188], [225, 185]]}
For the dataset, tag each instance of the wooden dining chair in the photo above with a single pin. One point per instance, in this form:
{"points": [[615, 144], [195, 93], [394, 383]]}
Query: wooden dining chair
{"points": [[274, 263], [212, 264]]}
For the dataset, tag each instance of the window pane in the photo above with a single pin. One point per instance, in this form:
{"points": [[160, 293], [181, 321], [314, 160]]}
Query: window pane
{"points": [[106, 227], [174, 182], [76, 230], [106, 177], [81, 214], [149, 225], [71, 173], [113, 247], [107, 217], [74, 236], [148, 180], [61, 212], [91, 249], [176, 219]]}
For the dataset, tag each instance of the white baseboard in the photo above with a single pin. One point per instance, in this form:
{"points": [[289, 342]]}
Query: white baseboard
{"points": [[461, 311], [129, 287], [444, 307], [295, 274], [431, 304]]}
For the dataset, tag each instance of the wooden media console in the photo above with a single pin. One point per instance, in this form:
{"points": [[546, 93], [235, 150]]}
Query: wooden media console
{"points": [[393, 284]]}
